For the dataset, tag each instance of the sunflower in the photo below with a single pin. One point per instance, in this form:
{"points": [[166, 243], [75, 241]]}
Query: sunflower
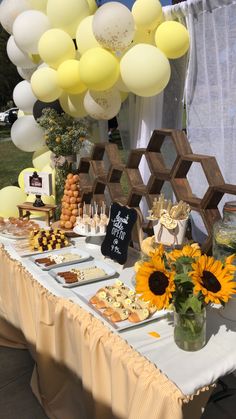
{"points": [[157, 254], [155, 283], [190, 250], [229, 263], [213, 279]]}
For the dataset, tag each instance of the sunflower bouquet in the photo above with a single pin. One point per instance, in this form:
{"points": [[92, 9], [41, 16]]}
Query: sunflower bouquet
{"points": [[185, 280]]}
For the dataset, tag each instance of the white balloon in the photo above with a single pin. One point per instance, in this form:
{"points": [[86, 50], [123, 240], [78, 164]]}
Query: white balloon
{"points": [[102, 105], [23, 96], [17, 56], [9, 10], [43, 65], [25, 73], [113, 26], [28, 28], [26, 134]]}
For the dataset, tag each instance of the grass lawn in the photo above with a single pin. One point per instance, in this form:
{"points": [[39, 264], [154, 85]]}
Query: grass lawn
{"points": [[12, 161], [4, 131]]}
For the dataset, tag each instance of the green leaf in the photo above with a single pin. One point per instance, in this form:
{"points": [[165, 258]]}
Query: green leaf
{"points": [[181, 278], [192, 303]]}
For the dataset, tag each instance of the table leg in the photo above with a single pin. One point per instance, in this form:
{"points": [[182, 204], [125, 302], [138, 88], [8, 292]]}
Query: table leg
{"points": [[20, 212]]}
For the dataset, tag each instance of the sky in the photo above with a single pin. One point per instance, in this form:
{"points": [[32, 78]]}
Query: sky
{"points": [[129, 3]]}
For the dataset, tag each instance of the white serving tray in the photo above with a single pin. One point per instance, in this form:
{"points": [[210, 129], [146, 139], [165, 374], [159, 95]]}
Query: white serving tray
{"points": [[82, 256], [122, 325], [23, 249], [109, 270]]}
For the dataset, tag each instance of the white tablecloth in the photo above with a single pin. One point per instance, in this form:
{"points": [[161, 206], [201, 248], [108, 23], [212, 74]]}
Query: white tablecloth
{"points": [[190, 371]]}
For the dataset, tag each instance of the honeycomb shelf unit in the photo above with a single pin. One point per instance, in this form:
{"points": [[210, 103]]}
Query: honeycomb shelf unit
{"points": [[101, 174]]}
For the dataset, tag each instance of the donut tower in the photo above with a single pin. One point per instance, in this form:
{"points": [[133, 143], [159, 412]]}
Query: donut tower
{"points": [[70, 201]]}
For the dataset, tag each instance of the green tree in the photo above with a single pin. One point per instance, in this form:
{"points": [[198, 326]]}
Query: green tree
{"points": [[9, 76]]}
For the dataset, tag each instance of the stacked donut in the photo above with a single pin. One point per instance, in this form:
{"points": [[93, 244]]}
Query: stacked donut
{"points": [[70, 201]]}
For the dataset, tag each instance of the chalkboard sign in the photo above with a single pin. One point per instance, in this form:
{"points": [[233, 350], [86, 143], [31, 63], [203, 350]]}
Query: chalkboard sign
{"points": [[119, 229]]}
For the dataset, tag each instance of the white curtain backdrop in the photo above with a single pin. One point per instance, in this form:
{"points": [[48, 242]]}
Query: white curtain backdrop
{"points": [[210, 90]]}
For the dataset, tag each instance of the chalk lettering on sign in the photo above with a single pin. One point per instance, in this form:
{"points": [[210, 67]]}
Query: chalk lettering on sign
{"points": [[118, 235], [118, 221]]}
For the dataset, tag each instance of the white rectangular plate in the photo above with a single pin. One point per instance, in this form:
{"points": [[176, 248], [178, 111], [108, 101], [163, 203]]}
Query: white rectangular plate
{"points": [[109, 271], [81, 256], [23, 249], [119, 326]]}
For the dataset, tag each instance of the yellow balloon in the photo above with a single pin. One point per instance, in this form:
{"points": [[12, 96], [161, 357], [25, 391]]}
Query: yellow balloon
{"points": [[41, 158], [56, 46], [10, 197], [68, 76], [21, 176], [172, 38], [144, 37], [67, 14], [92, 6], [48, 200], [85, 38], [44, 84], [147, 14], [73, 105], [145, 70], [99, 69], [38, 5]]}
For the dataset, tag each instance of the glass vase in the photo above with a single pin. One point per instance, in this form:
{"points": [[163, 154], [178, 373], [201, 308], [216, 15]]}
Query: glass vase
{"points": [[190, 330], [224, 232]]}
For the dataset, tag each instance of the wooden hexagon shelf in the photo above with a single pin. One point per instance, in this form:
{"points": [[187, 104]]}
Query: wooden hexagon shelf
{"points": [[101, 173], [154, 154]]}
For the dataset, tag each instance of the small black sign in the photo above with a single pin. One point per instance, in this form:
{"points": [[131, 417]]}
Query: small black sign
{"points": [[119, 229]]}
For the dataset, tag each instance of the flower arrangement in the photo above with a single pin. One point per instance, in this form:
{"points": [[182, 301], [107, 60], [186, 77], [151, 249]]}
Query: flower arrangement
{"points": [[186, 281], [185, 278], [64, 135]]}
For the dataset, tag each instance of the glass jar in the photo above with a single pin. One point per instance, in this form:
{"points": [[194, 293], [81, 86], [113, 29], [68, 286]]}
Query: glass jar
{"points": [[224, 232], [190, 330]]}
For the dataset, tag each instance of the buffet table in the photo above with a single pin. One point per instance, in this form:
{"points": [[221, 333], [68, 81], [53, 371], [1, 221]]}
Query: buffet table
{"points": [[85, 369]]}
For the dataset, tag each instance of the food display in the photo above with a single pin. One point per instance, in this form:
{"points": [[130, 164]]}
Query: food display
{"points": [[58, 259], [170, 220], [16, 227], [70, 202], [92, 220], [82, 274], [43, 240], [165, 209], [119, 302]]}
